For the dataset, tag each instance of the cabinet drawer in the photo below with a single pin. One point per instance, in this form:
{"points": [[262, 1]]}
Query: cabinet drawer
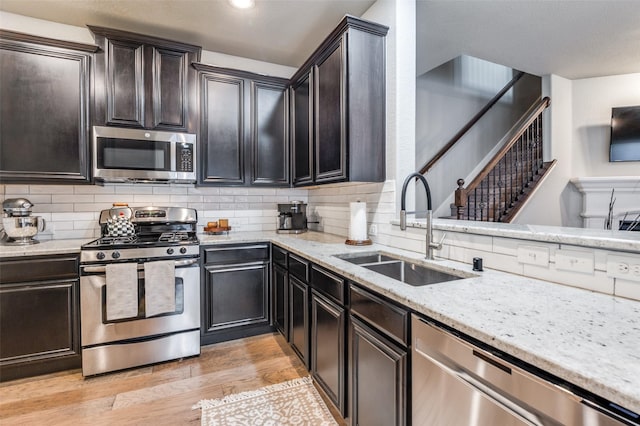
{"points": [[327, 283], [38, 269], [279, 256], [236, 254], [387, 317], [299, 267]]}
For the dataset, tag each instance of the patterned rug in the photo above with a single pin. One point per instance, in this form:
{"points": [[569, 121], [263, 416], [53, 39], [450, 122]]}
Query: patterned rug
{"points": [[295, 402]]}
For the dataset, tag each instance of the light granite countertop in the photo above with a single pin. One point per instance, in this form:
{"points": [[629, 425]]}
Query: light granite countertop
{"points": [[589, 339], [594, 238], [43, 248]]}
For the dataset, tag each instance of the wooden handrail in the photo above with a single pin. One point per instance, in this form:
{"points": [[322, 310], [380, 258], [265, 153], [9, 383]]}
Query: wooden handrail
{"points": [[540, 106], [471, 123]]}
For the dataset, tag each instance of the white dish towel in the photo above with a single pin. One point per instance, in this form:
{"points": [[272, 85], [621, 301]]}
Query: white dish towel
{"points": [[122, 291], [159, 287]]}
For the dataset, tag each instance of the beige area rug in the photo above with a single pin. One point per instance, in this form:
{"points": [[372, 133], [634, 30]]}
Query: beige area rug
{"points": [[295, 402]]}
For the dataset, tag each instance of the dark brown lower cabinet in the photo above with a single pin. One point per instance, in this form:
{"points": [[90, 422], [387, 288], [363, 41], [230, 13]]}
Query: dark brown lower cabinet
{"points": [[39, 316], [328, 347], [378, 383], [235, 292], [299, 318], [280, 283]]}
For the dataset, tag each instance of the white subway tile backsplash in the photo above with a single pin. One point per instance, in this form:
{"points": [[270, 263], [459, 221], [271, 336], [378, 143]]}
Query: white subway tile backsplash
{"points": [[94, 189], [95, 207], [234, 191], [628, 289], [471, 241], [15, 189], [68, 216], [133, 189], [51, 189]]}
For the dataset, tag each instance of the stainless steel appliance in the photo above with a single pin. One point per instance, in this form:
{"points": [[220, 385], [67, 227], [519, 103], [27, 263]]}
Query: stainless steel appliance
{"points": [[138, 155], [457, 383], [141, 337], [292, 218], [18, 226]]}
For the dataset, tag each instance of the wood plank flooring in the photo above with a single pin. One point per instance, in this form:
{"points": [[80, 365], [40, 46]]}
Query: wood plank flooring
{"points": [[156, 395]]}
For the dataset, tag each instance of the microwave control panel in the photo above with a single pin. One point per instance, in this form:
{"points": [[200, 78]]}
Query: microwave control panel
{"points": [[184, 157]]}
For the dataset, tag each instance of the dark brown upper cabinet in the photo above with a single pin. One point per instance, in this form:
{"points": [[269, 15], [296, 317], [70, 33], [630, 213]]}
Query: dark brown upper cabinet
{"points": [[302, 128], [338, 107], [144, 81], [244, 128], [44, 109]]}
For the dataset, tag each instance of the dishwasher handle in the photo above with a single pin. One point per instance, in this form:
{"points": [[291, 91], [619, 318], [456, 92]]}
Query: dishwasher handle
{"points": [[490, 393]]}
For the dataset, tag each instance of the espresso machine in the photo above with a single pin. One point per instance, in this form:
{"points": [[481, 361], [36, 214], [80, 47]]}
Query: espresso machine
{"points": [[292, 218]]}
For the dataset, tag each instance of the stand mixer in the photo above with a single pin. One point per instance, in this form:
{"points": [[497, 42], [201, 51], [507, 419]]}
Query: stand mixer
{"points": [[19, 227]]}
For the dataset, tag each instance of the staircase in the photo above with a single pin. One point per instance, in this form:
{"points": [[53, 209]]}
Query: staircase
{"points": [[500, 190]]}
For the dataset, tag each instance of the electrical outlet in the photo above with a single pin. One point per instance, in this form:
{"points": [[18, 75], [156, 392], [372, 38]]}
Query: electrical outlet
{"points": [[575, 261], [624, 267], [373, 229], [533, 255]]}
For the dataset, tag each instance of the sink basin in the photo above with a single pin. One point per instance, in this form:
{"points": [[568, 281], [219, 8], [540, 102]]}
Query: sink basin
{"points": [[408, 272]]}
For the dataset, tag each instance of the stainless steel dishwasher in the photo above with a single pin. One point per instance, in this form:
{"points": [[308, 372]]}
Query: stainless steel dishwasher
{"points": [[456, 383]]}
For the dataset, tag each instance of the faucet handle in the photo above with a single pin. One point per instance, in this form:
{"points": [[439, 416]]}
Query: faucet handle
{"points": [[438, 245]]}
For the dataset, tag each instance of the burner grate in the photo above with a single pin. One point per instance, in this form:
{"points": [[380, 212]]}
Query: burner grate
{"points": [[174, 236], [118, 240]]}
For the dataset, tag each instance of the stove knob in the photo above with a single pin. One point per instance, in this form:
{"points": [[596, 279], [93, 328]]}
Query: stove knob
{"points": [[115, 254], [100, 255], [169, 251], [183, 250]]}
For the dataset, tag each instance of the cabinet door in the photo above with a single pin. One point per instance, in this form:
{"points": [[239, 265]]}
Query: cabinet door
{"points": [[39, 328], [125, 81], [222, 129], [299, 318], [280, 298], [269, 134], [302, 130], [169, 89], [44, 113], [378, 378], [235, 296], [330, 120], [327, 347]]}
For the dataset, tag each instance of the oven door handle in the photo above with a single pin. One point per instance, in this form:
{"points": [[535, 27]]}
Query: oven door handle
{"points": [[103, 268]]}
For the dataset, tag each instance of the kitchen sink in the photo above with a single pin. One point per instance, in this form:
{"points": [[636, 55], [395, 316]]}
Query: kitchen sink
{"points": [[402, 270]]}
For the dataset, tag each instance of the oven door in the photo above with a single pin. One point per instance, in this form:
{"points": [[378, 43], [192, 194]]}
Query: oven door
{"points": [[96, 329]]}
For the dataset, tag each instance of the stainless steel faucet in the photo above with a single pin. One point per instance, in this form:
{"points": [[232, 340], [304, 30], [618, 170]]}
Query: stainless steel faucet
{"points": [[403, 214]]}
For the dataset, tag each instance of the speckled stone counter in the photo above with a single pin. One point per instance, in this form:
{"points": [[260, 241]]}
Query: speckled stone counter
{"points": [[594, 238], [43, 248], [589, 339]]}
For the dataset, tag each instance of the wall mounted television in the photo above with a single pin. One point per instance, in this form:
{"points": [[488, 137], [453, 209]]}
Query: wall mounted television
{"points": [[625, 134]]}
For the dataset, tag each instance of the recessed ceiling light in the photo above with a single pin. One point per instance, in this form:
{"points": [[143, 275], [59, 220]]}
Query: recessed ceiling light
{"points": [[242, 4]]}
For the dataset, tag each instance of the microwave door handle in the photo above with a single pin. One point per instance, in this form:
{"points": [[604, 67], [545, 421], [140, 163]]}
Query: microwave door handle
{"points": [[102, 268]]}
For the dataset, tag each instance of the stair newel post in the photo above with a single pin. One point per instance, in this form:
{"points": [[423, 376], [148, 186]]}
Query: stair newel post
{"points": [[460, 198]]}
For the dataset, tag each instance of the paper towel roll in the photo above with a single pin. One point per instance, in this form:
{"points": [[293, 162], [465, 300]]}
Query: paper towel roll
{"points": [[358, 221]]}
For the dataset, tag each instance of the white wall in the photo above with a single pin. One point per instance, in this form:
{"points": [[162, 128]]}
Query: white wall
{"points": [[578, 123], [593, 99]]}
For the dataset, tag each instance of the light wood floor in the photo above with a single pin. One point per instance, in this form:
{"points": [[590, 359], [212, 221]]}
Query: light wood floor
{"points": [[162, 394]]}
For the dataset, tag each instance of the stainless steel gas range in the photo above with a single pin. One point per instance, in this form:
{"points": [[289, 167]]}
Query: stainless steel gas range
{"points": [[140, 289]]}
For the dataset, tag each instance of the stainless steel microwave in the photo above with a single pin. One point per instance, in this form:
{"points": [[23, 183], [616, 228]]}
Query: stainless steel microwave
{"points": [[138, 155]]}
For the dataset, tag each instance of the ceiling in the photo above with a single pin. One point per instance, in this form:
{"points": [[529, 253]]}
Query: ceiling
{"points": [[570, 38]]}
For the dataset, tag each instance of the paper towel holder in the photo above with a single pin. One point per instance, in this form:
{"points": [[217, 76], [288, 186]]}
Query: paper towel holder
{"points": [[358, 225]]}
